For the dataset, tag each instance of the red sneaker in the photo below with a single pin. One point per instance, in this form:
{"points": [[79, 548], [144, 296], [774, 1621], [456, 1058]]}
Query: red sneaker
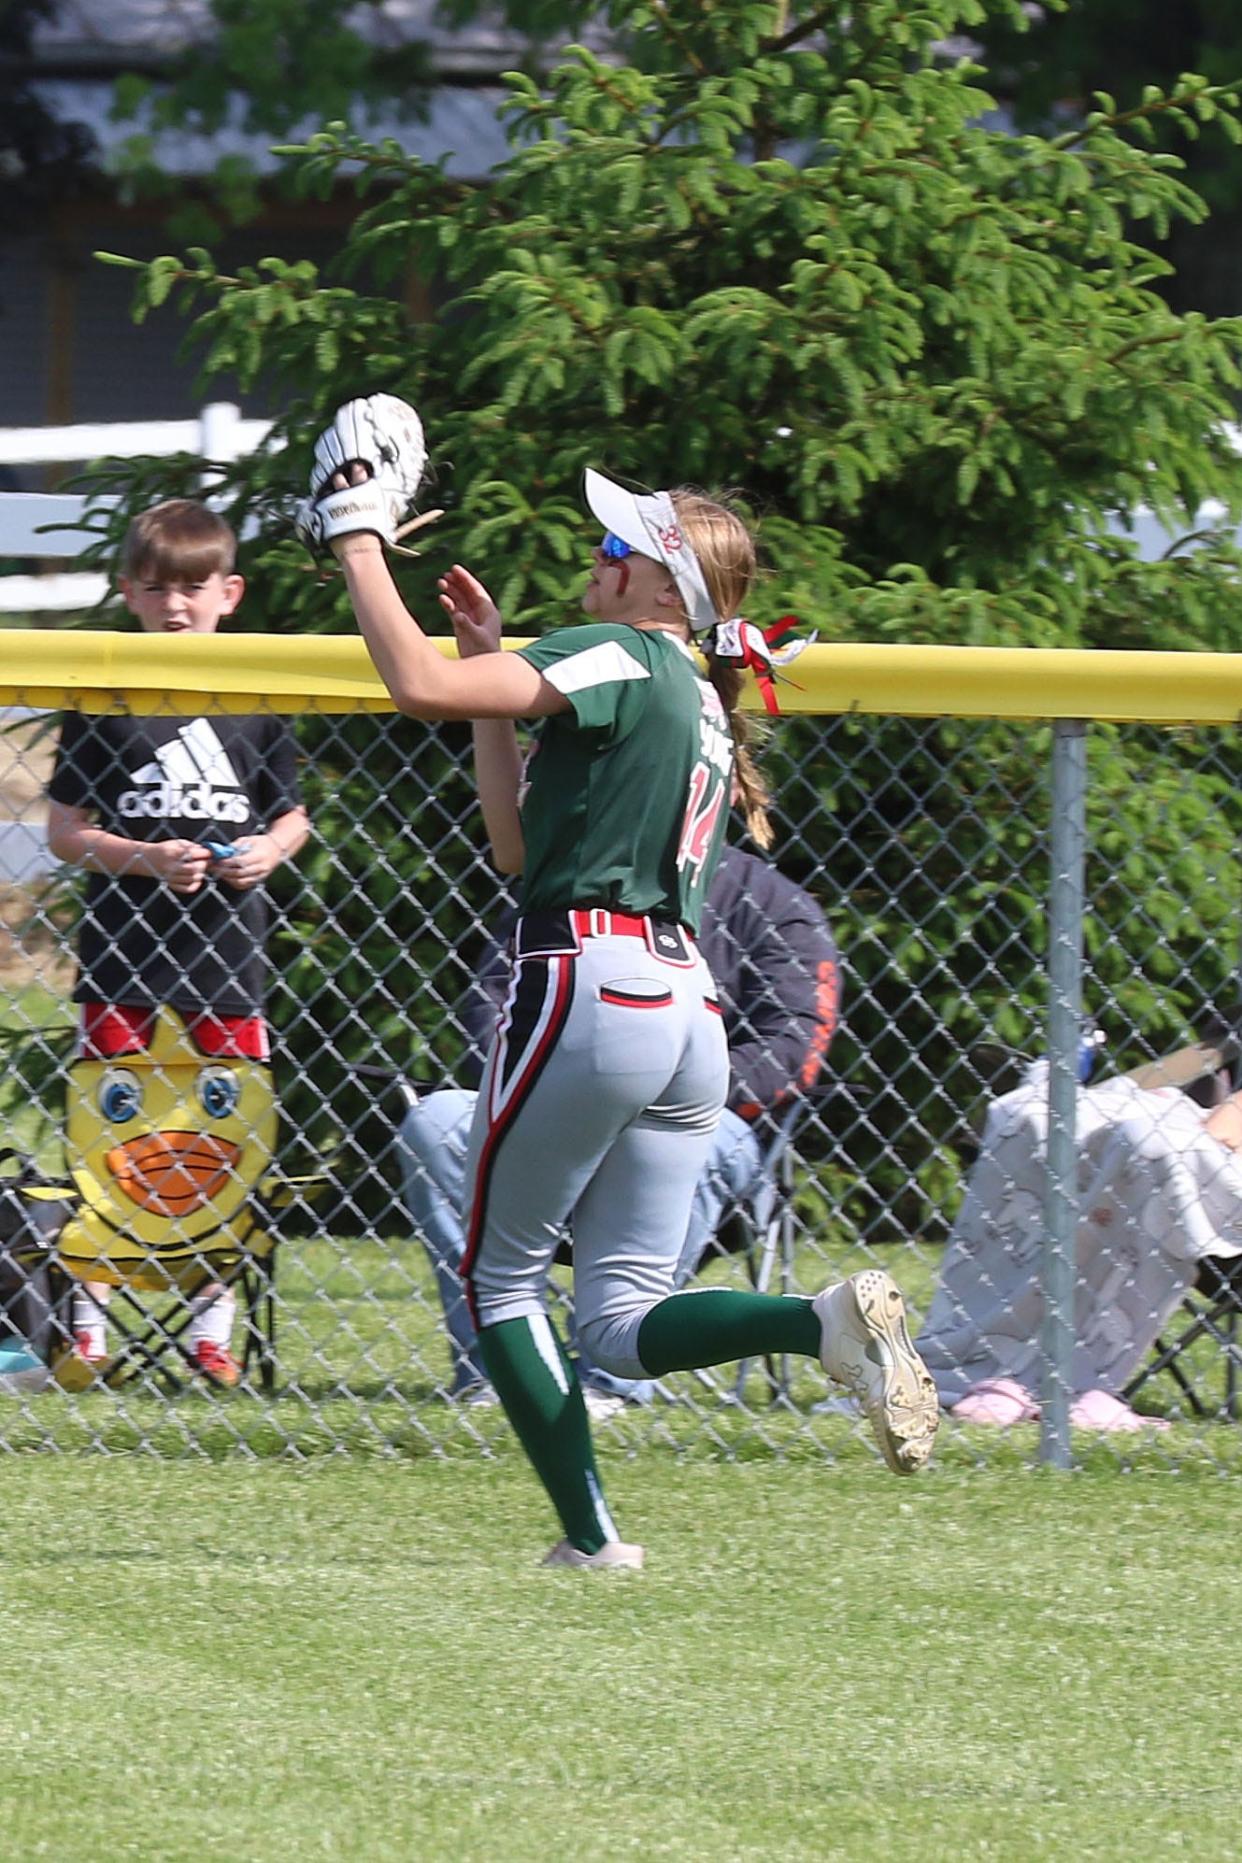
{"points": [[217, 1364]]}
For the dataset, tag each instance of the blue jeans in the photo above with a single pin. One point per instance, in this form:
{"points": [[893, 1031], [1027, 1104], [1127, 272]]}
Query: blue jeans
{"points": [[432, 1148]]}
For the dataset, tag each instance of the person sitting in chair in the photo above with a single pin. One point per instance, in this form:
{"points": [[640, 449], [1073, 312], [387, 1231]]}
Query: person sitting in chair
{"points": [[1160, 1191], [775, 966]]}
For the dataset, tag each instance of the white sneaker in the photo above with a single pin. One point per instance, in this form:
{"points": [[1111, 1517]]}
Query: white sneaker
{"points": [[865, 1345], [615, 1556], [602, 1404]]}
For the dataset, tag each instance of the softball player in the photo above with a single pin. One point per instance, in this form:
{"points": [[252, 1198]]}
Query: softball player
{"points": [[609, 1068]]}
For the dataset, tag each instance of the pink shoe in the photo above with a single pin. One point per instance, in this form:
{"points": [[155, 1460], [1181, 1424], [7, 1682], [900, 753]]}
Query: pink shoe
{"points": [[1097, 1410], [1002, 1401]]}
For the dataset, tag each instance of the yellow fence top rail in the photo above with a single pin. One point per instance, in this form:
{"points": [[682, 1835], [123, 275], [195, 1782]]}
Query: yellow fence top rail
{"points": [[99, 670]]}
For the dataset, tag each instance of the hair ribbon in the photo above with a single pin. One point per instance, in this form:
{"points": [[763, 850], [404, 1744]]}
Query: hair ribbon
{"points": [[755, 649]]}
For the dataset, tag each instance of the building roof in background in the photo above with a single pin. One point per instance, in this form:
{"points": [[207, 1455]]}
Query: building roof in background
{"points": [[86, 43], [109, 35], [462, 126]]}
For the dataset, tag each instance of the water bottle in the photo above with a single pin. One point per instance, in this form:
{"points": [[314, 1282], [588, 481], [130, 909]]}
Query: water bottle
{"points": [[1090, 1042]]}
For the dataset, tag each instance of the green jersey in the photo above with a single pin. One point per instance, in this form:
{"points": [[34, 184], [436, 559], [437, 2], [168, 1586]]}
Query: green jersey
{"points": [[629, 789]]}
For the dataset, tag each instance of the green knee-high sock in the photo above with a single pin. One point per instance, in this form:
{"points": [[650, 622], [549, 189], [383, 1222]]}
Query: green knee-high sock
{"points": [[543, 1400], [717, 1324]]}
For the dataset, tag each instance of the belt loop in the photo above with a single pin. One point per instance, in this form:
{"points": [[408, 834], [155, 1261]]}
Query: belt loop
{"points": [[548, 934], [599, 922]]}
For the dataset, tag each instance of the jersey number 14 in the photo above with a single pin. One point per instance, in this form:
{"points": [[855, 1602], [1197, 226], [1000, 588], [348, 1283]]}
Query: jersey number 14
{"points": [[704, 801]]}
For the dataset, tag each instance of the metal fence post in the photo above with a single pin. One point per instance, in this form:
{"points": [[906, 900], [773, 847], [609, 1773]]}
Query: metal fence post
{"points": [[1065, 948]]}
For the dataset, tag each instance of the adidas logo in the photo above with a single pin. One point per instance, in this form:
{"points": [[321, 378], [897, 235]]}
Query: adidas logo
{"points": [[191, 776]]}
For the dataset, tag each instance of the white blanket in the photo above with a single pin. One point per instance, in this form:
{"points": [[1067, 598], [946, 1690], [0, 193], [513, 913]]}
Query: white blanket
{"points": [[1157, 1192]]}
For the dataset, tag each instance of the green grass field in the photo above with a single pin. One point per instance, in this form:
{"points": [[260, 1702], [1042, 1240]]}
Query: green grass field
{"points": [[363, 1660], [320, 1627]]}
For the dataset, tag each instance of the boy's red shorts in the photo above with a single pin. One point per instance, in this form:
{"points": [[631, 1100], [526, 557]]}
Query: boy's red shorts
{"points": [[111, 1029]]}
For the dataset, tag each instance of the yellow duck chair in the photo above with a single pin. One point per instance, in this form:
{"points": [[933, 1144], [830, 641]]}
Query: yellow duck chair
{"points": [[168, 1152]]}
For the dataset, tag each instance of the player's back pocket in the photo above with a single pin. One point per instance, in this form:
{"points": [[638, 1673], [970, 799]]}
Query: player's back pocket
{"points": [[636, 993]]}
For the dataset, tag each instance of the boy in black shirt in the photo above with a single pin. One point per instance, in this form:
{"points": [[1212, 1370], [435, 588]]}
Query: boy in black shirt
{"points": [[178, 821]]}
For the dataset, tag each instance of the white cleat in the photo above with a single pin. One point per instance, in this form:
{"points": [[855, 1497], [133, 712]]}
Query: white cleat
{"points": [[865, 1345], [614, 1556]]}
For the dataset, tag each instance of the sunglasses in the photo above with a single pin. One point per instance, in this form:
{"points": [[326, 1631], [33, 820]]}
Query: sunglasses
{"points": [[615, 548]]}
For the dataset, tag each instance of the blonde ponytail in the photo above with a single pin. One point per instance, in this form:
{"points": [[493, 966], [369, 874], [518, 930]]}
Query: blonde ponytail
{"points": [[726, 554], [753, 791]]}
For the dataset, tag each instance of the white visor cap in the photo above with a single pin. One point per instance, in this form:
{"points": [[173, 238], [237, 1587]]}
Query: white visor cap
{"points": [[648, 522]]}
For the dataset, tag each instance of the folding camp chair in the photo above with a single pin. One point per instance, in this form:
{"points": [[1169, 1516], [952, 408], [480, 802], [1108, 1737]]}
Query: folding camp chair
{"points": [[1213, 1307], [172, 1188], [760, 1227], [33, 1210], [151, 1340], [1212, 1311], [38, 1279], [167, 1149]]}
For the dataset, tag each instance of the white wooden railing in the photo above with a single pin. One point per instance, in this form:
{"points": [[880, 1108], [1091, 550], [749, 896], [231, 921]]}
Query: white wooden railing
{"points": [[219, 433]]}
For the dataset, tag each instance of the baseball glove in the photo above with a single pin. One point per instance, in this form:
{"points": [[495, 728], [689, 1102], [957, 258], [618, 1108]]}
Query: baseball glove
{"points": [[382, 434]]}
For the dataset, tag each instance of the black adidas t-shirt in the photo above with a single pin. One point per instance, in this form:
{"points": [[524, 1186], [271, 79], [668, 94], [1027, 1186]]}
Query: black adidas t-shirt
{"points": [[193, 779]]}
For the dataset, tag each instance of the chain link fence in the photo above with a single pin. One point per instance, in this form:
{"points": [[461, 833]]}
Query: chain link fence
{"points": [[927, 842]]}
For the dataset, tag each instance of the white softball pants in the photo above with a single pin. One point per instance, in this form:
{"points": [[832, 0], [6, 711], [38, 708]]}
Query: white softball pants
{"points": [[600, 1097]]}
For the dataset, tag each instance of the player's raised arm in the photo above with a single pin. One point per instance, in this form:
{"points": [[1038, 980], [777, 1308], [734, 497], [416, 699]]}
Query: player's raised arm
{"points": [[367, 469], [421, 681]]}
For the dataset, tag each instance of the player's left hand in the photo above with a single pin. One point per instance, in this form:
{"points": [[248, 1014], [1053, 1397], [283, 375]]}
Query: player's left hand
{"points": [[473, 613]]}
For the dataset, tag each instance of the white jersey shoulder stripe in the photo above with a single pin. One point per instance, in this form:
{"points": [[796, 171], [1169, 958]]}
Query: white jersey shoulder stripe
{"points": [[595, 666]]}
